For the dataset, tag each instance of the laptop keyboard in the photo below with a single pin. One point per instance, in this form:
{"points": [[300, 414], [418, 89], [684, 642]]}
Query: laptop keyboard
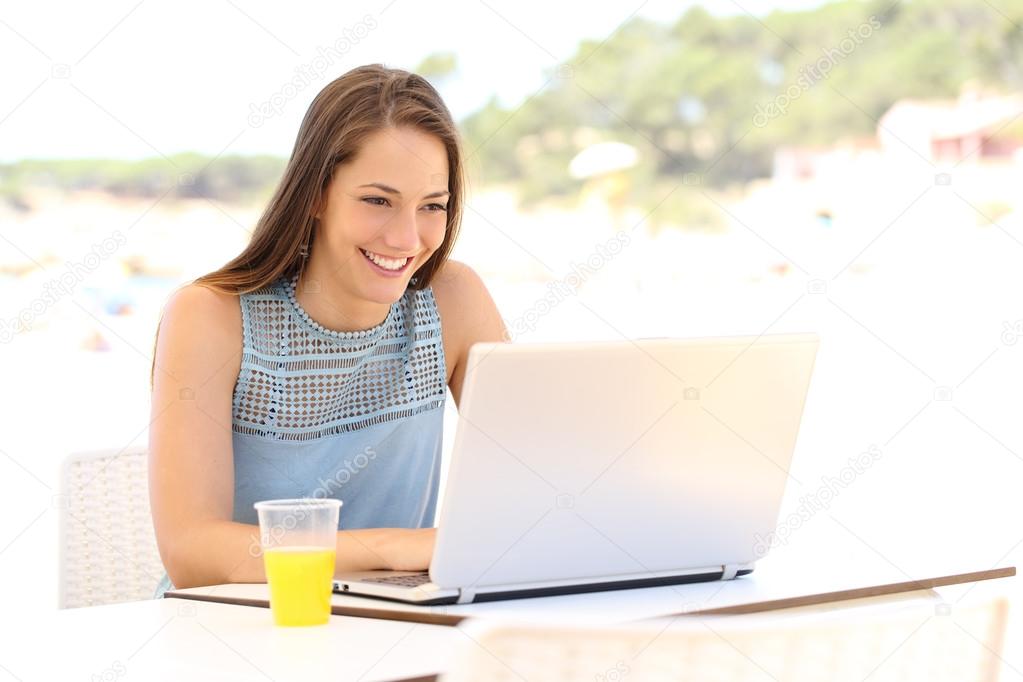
{"points": [[401, 580]]}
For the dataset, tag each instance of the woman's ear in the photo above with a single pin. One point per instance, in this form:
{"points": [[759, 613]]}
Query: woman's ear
{"points": [[320, 204]]}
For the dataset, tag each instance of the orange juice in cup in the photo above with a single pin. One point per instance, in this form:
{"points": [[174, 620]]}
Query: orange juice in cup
{"points": [[298, 540]]}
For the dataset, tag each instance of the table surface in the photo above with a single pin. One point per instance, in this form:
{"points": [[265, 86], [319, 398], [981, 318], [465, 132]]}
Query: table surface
{"points": [[176, 639], [186, 639], [741, 596], [819, 564]]}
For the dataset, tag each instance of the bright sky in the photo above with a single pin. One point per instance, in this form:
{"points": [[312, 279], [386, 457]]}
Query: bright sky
{"points": [[131, 79]]}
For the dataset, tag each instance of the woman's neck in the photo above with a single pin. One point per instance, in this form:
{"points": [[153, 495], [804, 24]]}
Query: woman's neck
{"points": [[324, 299]]}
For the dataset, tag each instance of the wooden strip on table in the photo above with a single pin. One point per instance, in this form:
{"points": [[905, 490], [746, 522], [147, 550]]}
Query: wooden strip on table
{"points": [[425, 617], [859, 593], [433, 618]]}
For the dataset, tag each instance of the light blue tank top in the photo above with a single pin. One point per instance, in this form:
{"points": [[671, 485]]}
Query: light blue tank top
{"points": [[356, 416]]}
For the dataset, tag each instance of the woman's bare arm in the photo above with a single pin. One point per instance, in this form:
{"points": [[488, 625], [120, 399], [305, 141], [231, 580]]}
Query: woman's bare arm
{"points": [[191, 466], [468, 315]]}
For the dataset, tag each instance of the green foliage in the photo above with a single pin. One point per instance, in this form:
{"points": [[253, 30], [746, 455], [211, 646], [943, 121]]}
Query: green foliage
{"points": [[685, 94], [437, 66], [227, 178]]}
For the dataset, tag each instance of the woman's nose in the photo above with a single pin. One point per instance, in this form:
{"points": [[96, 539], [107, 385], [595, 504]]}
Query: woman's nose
{"points": [[402, 234]]}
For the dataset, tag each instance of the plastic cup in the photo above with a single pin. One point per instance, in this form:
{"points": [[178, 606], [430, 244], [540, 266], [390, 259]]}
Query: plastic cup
{"points": [[298, 539]]}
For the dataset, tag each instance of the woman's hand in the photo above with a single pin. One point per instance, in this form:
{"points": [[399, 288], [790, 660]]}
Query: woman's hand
{"points": [[420, 550], [396, 549], [414, 550]]}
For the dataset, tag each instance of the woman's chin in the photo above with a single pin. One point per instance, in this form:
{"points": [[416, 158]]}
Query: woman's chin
{"points": [[386, 292]]}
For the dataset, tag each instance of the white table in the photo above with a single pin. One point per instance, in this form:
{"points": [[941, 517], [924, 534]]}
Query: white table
{"points": [[175, 639], [179, 639], [744, 595], [820, 567]]}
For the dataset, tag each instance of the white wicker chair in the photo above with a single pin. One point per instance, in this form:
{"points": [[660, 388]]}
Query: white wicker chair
{"points": [[107, 549], [925, 643]]}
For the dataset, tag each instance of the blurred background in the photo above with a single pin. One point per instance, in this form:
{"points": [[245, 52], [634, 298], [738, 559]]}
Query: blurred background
{"points": [[851, 168]]}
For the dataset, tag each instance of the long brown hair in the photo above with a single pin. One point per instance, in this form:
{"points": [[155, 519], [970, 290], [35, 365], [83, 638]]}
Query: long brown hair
{"points": [[342, 115], [346, 111]]}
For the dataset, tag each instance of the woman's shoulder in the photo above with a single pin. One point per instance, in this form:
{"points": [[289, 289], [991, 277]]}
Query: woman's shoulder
{"points": [[199, 344], [454, 287], [462, 298], [468, 315], [200, 312], [203, 300], [455, 283]]}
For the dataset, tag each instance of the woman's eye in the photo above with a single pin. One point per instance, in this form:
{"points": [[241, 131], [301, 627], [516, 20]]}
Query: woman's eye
{"points": [[381, 201]]}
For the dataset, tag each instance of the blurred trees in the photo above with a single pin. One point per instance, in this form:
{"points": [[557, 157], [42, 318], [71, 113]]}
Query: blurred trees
{"points": [[685, 94]]}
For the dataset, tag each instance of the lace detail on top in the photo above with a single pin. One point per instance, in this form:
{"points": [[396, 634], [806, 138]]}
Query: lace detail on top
{"points": [[300, 381]]}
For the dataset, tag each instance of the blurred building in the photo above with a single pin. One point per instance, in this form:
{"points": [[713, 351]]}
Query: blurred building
{"points": [[794, 163], [975, 126]]}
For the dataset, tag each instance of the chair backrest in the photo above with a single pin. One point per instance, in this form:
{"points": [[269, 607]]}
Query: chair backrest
{"points": [[939, 642], [107, 549]]}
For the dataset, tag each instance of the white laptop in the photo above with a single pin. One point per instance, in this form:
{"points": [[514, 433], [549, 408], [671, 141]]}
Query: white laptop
{"points": [[579, 467]]}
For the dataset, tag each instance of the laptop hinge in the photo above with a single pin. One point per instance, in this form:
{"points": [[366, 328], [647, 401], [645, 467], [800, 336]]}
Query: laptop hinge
{"points": [[466, 595], [729, 571]]}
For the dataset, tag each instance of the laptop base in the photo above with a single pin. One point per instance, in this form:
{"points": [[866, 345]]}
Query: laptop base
{"points": [[530, 592]]}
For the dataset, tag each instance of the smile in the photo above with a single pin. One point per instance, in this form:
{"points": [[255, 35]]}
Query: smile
{"points": [[389, 265]]}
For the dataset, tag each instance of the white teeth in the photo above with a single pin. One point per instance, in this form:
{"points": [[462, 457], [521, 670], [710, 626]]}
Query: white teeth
{"points": [[385, 263]]}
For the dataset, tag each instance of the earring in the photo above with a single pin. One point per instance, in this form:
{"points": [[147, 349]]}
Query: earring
{"points": [[304, 251]]}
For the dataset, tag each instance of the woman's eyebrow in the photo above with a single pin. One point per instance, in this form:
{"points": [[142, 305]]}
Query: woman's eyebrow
{"points": [[391, 190]]}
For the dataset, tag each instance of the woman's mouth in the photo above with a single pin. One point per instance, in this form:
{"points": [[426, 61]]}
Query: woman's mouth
{"points": [[387, 266]]}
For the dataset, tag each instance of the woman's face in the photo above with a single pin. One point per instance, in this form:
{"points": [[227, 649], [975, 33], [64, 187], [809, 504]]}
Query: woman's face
{"points": [[389, 203]]}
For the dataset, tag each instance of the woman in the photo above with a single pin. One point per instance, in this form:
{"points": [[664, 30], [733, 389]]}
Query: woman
{"points": [[315, 363]]}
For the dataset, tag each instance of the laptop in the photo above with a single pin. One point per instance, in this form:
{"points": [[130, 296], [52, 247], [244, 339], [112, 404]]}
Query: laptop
{"points": [[590, 466]]}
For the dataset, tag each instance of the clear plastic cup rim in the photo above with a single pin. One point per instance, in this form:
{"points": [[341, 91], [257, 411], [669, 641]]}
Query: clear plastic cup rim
{"points": [[303, 502]]}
